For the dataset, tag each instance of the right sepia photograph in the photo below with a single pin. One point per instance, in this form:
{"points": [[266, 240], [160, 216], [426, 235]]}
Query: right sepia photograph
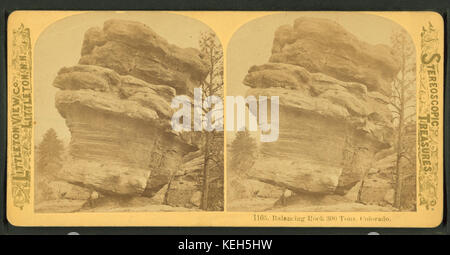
{"points": [[340, 94]]}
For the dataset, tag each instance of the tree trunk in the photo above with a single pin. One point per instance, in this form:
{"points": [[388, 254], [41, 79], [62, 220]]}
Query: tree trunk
{"points": [[166, 195], [398, 188], [205, 189]]}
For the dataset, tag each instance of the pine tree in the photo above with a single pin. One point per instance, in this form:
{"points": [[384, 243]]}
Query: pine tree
{"points": [[403, 103], [212, 149], [243, 151], [49, 153]]}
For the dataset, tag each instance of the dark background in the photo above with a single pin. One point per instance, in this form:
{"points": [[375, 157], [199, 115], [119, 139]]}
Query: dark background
{"points": [[8, 6]]}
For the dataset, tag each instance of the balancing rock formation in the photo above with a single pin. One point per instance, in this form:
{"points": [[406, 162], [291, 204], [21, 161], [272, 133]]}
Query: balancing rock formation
{"points": [[116, 103], [334, 91]]}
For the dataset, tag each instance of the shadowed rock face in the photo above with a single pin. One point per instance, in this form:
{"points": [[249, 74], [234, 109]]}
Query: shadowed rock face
{"points": [[116, 103], [334, 92]]}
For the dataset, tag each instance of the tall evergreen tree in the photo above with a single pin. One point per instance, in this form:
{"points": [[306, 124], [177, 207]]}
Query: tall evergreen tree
{"points": [[402, 102], [212, 141], [243, 151], [49, 153]]}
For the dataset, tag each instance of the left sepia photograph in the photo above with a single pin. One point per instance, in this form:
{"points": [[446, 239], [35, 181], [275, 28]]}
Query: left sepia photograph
{"points": [[103, 96]]}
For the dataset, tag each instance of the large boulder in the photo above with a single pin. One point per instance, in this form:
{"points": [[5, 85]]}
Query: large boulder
{"points": [[324, 46], [140, 52], [328, 135], [334, 115], [120, 126], [117, 108]]}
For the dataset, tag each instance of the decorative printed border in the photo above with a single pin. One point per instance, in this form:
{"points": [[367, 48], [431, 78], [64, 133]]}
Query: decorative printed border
{"points": [[428, 118], [21, 116]]}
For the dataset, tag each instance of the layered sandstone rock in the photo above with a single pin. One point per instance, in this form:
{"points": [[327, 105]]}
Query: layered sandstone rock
{"points": [[334, 91], [132, 48], [116, 103], [324, 46]]}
